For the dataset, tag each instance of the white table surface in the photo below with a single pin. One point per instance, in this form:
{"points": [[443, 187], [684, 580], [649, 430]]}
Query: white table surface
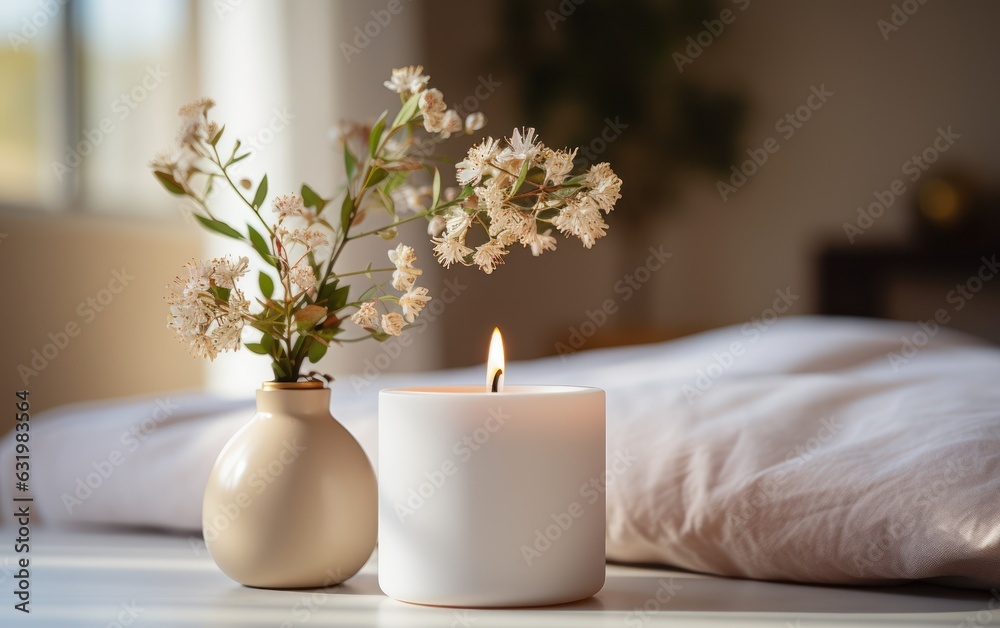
{"points": [[92, 578]]}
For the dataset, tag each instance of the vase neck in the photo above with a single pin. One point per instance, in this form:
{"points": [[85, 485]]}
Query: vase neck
{"points": [[309, 402]]}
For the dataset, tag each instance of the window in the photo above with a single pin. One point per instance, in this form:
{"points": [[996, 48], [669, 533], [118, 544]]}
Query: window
{"points": [[28, 60], [90, 92]]}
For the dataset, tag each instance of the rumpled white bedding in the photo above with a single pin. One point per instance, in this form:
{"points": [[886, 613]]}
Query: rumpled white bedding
{"points": [[797, 450]]}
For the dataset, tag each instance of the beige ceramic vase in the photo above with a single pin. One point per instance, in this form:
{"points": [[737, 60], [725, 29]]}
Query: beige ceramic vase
{"points": [[292, 500]]}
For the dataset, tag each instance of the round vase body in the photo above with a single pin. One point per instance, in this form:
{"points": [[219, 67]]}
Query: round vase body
{"points": [[292, 500]]}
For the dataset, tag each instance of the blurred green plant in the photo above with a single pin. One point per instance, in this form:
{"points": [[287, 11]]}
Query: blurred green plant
{"points": [[581, 61]]}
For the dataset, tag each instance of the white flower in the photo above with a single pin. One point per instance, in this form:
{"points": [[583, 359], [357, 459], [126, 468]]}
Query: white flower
{"points": [[403, 278], [203, 347], [310, 238], [290, 206], [303, 276], [402, 256], [540, 242], [412, 302], [392, 323], [450, 251], [408, 80], [411, 198], [522, 146], [457, 222], [228, 332], [225, 273], [417, 197], [525, 228], [510, 220], [452, 122], [582, 218], [164, 161], [474, 122], [493, 195], [206, 324], [197, 281], [470, 170], [436, 226], [192, 130], [433, 122], [366, 316], [194, 122], [558, 165], [489, 255], [196, 108], [433, 108], [605, 186]]}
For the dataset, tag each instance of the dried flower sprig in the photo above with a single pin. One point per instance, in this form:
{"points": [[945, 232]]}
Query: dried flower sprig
{"points": [[517, 193], [521, 191]]}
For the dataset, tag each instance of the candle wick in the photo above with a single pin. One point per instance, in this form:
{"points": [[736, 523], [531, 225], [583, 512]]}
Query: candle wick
{"points": [[496, 380]]}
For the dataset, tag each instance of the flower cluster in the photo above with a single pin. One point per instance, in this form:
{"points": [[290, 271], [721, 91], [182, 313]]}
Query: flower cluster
{"points": [[522, 191], [414, 299], [517, 191], [206, 308], [411, 82]]}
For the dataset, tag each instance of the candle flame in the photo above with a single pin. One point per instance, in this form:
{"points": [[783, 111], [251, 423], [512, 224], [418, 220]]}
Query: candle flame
{"points": [[495, 363]]}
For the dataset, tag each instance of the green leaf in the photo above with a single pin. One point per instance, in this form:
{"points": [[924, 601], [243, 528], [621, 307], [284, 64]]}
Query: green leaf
{"points": [[387, 202], [311, 199], [376, 135], [407, 110], [367, 296], [316, 351], [327, 334], [219, 227], [350, 164], [266, 285], [520, 177], [436, 189], [234, 159], [377, 175], [218, 136], [326, 290], [338, 299], [258, 198], [345, 212], [260, 245], [220, 293], [256, 347], [279, 371], [395, 180], [267, 342], [169, 182]]}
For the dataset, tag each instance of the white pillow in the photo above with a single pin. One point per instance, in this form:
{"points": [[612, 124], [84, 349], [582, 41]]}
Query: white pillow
{"points": [[796, 450]]}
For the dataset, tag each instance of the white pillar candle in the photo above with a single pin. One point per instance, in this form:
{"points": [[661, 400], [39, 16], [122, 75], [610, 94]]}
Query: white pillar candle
{"points": [[491, 498]]}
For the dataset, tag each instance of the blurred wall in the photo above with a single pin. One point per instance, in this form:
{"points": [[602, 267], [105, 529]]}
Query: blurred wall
{"points": [[729, 257], [84, 316]]}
